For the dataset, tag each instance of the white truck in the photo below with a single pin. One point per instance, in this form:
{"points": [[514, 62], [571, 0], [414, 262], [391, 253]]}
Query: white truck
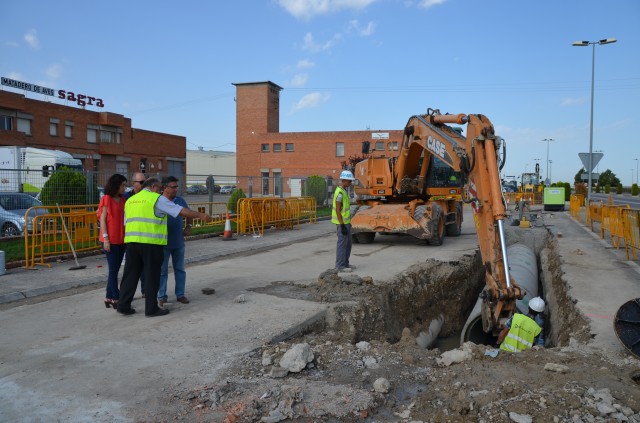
{"points": [[26, 169]]}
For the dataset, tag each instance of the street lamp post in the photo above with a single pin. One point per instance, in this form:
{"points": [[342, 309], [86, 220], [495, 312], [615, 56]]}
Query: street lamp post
{"points": [[550, 169], [547, 140], [636, 171], [593, 67]]}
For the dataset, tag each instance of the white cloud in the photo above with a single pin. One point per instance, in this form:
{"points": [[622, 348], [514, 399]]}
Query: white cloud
{"points": [[572, 101], [362, 31], [305, 64], [54, 71], [309, 43], [430, 3], [299, 80], [311, 100], [307, 9], [31, 38], [11, 44]]}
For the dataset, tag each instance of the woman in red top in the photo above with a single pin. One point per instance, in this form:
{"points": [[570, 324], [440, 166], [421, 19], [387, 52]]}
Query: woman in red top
{"points": [[111, 215]]}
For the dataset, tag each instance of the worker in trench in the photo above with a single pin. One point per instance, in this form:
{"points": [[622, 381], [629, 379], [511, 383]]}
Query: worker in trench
{"points": [[521, 331]]}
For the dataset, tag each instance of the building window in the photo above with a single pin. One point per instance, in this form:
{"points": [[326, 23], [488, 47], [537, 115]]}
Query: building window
{"points": [[92, 135], [392, 146], [24, 125], [53, 127], [265, 183], [339, 149], [265, 148], [5, 123], [109, 135], [68, 129], [277, 148], [288, 147], [380, 145]]}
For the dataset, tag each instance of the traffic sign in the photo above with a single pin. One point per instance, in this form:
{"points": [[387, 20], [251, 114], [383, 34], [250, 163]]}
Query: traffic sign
{"points": [[595, 159]]}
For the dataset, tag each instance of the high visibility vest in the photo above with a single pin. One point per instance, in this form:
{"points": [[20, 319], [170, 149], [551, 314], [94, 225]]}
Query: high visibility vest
{"points": [[141, 224], [346, 207], [521, 335]]}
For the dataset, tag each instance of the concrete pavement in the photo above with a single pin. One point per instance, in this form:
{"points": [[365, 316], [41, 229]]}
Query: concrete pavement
{"points": [[21, 283], [600, 278]]}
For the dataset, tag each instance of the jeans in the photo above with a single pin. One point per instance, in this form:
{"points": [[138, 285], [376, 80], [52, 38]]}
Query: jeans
{"points": [[114, 260], [343, 249], [177, 256]]}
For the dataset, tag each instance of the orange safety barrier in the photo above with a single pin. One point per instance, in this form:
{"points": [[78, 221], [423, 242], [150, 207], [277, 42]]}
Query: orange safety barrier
{"points": [[576, 202], [631, 219], [254, 214], [612, 222], [47, 237], [217, 211]]}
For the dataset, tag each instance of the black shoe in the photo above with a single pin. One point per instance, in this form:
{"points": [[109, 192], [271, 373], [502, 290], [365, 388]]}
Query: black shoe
{"points": [[160, 312], [127, 311]]}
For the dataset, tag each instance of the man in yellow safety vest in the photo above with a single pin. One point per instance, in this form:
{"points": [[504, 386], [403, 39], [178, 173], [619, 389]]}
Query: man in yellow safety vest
{"points": [[341, 217], [145, 234], [521, 331]]}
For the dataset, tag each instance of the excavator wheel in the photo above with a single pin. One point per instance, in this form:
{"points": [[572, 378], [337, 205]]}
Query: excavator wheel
{"points": [[365, 237], [454, 229], [438, 227]]}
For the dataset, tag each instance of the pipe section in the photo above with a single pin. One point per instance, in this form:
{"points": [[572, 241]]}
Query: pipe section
{"points": [[524, 269]]}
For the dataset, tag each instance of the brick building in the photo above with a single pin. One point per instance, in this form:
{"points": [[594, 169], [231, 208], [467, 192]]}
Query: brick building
{"points": [[105, 142], [266, 154]]}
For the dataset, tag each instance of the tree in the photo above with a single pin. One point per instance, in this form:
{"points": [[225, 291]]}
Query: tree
{"points": [[316, 187], [66, 187], [350, 163], [608, 178], [232, 204], [578, 178]]}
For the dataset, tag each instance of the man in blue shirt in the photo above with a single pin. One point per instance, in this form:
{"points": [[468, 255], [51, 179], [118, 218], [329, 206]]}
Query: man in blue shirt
{"points": [[175, 245]]}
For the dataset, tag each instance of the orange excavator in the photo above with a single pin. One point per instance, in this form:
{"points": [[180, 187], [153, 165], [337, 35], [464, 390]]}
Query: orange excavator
{"points": [[421, 192]]}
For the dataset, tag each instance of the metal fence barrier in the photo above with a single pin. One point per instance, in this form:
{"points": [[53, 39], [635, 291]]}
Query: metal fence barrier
{"points": [[576, 202], [255, 214], [48, 237], [631, 219]]}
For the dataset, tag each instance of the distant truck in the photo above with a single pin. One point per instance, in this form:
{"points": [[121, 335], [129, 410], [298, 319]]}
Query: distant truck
{"points": [[26, 169]]}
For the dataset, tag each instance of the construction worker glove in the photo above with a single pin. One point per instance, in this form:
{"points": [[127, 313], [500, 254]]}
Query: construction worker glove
{"points": [[343, 229]]}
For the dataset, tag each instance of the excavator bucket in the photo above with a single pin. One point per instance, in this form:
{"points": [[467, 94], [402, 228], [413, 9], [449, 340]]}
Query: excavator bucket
{"points": [[396, 218]]}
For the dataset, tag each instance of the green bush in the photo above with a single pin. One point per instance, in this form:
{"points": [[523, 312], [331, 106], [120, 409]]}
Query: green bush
{"points": [[598, 188], [66, 187], [619, 189], [607, 189], [634, 189], [316, 187], [567, 191], [232, 204]]}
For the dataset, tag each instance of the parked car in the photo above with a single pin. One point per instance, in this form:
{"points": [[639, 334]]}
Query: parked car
{"points": [[13, 206], [197, 189], [227, 189]]}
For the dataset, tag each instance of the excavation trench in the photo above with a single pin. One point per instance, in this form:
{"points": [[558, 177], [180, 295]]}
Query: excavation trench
{"points": [[361, 309]]}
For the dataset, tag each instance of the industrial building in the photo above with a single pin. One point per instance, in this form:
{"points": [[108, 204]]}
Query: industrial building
{"points": [[276, 160], [105, 142]]}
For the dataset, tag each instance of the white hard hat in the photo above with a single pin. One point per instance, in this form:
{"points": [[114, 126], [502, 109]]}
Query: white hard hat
{"points": [[537, 304], [346, 174]]}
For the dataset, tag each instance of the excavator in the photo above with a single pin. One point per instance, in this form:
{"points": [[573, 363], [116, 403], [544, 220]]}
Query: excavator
{"points": [[414, 194]]}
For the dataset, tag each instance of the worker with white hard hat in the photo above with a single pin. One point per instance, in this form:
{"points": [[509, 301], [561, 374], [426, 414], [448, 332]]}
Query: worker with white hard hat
{"points": [[341, 217], [522, 331]]}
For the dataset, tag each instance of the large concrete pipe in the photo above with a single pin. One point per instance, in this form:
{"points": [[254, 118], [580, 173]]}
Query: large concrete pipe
{"points": [[524, 270]]}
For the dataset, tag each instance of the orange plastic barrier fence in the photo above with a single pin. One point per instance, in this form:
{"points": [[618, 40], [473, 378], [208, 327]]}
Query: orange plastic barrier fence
{"points": [[218, 211], [48, 238], [612, 222]]}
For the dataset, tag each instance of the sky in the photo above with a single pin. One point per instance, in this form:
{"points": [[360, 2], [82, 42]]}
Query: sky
{"points": [[348, 65]]}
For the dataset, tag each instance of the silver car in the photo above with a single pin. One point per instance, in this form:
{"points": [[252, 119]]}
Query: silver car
{"points": [[13, 206]]}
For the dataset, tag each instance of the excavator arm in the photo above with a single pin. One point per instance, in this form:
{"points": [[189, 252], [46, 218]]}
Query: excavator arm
{"points": [[476, 156]]}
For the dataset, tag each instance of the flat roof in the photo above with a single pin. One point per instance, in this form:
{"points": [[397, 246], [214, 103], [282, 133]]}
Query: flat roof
{"points": [[257, 83]]}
